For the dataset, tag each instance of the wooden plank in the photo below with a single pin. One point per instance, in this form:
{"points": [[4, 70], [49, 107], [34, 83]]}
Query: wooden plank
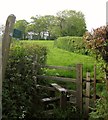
{"points": [[63, 79], [57, 67], [63, 99], [49, 100], [87, 100], [58, 87], [45, 87], [6, 41], [79, 87]]}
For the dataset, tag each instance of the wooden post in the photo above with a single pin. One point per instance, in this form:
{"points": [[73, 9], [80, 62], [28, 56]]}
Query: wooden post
{"points": [[4, 51], [63, 99], [79, 87], [6, 42], [94, 83], [87, 99]]}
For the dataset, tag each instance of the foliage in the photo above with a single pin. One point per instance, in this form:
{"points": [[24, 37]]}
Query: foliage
{"points": [[101, 110], [98, 41], [60, 57], [19, 90], [72, 44], [71, 23], [70, 113], [64, 23]]}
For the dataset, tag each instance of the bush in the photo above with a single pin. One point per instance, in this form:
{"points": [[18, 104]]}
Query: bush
{"points": [[19, 90], [101, 110], [72, 44]]}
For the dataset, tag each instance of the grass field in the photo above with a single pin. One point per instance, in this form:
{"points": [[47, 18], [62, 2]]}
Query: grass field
{"points": [[61, 57]]}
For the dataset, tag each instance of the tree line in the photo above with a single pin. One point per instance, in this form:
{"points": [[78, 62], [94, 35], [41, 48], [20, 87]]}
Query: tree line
{"points": [[64, 23]]}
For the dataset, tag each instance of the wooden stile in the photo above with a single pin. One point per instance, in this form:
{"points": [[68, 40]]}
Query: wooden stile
{"points": [[63, 95], [72, 96]]}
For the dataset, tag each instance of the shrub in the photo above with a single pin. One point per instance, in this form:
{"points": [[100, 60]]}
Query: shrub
{"points": [[97, 41], [73, 44], [19, 90], [101, 110]]}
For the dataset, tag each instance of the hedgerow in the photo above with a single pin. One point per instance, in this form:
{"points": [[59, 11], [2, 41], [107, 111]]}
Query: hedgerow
{"points": [[19, 91], [97, 41], [72, 44]]}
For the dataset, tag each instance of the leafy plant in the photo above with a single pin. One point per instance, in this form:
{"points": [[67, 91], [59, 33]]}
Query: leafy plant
{"points": [[97, 41], [101, 110], [19, 90]]}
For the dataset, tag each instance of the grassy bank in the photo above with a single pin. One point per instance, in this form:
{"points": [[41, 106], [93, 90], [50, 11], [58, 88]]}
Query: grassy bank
{"points": [[61, 57]]}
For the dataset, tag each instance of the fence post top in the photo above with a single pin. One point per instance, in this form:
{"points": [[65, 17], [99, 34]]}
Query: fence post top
{"points": [[11, 18]]}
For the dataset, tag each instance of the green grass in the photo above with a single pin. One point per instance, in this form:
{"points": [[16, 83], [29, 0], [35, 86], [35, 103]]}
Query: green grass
{"points": [[61, 57]]}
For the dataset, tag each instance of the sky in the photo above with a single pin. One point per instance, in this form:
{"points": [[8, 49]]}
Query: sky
{"points": [[94, 10]]}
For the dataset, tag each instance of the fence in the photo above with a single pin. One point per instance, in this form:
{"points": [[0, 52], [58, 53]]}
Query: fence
{"points": [[66, 96]]}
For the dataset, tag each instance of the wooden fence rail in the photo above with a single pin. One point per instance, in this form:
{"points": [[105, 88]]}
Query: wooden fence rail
{"points": [[82, 99], [64, 92]]}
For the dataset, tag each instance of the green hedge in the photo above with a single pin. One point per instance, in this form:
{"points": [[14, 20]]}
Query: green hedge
{"points": [[19, 90], [73, 44]]}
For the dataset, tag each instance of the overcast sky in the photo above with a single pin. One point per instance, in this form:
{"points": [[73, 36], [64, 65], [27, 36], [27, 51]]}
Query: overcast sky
{"points": [[94, 10]]}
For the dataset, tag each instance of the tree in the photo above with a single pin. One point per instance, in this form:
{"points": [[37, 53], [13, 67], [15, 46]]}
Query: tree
{"points": [[65, 23], [21, 25], [71, 23], [42, 25]]}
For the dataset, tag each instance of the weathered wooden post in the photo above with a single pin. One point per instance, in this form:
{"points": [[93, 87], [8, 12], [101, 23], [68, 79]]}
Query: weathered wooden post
{"points": [[6, 41], [87, 99], [4, 51], [63, 99], [79, 98]]}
